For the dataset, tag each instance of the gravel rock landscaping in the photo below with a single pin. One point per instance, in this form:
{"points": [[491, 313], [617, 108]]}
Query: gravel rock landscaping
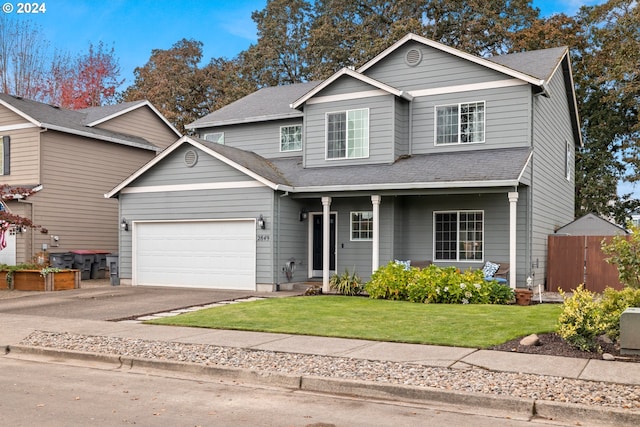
{"points": [[473, 380]]}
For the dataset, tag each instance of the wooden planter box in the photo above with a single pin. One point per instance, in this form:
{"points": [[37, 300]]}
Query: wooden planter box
{"points": [[31, 280], [3, 280]]}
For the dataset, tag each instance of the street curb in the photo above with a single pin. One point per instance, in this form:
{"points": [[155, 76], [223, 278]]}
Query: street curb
{"points": [[595, 416], [471, 402]]}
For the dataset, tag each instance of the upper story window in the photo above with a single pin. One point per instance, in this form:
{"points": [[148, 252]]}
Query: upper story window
{"points": [[348, 134], [459, 235], [460, 123], [362, 225], [217, 137], [291, 138]]}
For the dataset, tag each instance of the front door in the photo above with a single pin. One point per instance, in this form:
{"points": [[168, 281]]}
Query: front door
{"points": [[317, 237]]}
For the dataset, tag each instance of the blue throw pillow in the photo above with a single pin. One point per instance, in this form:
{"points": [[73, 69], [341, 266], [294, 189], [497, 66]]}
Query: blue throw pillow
{"points": [[405, 264], [490, 269]]}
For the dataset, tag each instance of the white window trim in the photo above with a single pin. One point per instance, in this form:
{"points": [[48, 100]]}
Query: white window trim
{"points": [[204, 136], [326, 140], [458, 212], [435, 124], [351, 227], [280, 142]]}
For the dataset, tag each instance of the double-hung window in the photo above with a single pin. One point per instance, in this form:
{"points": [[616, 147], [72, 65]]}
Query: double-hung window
{"points": [[362, 225], [460, 123], [348, 134], [459, 235], [291, 138]]}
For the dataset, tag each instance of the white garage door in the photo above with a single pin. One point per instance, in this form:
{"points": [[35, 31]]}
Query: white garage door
{"points": [[203, 254]]}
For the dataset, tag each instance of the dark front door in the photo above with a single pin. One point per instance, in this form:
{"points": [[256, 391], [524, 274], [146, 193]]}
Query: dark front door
{"points": [[317, 244]]}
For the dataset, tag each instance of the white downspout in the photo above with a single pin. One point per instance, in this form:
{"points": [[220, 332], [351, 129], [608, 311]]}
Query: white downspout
{"points": [[513, 212], [326, 243]]}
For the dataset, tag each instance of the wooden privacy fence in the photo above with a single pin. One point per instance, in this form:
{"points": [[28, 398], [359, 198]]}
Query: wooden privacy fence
{"points": [[579, 259]]}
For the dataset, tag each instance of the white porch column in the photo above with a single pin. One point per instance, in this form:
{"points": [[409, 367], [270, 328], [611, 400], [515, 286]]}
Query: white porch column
{"points": [[513, 213], [375, 244], [326, 243]]}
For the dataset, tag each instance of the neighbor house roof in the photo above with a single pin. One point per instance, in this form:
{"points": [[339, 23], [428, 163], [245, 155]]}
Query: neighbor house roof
{"points": [[97, 115], [70, 121], [499, 168], [269, 103]]}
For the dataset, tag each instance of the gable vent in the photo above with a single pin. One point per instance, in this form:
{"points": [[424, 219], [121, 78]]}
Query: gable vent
{"points": [[190, 158], [413, 57]]}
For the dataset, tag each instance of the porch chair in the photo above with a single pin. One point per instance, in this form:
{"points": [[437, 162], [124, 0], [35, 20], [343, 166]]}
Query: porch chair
{"points": [[497, 272]]}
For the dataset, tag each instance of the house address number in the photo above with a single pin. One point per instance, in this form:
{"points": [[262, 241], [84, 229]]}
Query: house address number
{"points": [[263, 237]]}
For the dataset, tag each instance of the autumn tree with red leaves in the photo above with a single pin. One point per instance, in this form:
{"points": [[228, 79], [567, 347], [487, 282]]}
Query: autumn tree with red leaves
{"points": [[88, 80]]}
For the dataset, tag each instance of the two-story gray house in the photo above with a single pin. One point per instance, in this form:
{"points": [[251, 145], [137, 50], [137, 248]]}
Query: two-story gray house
{"points": [[425, 153]]}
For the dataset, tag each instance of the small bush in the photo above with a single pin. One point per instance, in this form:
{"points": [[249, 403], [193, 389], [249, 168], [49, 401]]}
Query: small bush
{"points": [[613, 304], [624, 252], [581, 320], [435, 284], [346, 284]]}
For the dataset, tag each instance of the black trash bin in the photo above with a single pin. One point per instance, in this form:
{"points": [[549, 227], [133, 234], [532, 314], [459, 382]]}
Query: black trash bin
{"points": [[63, 260], [112, 263], [99, 265], [82, 261]]}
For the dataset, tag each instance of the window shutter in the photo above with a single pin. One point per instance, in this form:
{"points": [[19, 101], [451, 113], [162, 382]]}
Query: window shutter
{"points": [[6, 155]]}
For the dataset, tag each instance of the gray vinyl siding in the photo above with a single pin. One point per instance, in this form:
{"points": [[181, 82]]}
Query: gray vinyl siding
{"points": [[263, 138], [172, 170], [414, 222], [507, 119], [202, 204], [437, 69], [76, 173], [552, 194], [142, 122], [401, 128], [291, 239], [381, 131]]}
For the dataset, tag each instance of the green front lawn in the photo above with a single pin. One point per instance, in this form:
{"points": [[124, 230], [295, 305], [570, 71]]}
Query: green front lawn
{"points": [[472, 325]]}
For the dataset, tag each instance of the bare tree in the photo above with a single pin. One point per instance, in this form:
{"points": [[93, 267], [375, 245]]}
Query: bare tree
{"points": [[23, 53]]}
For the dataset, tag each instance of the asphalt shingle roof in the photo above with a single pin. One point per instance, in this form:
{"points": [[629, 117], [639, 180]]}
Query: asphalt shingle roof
{"points": [[478, 167], [71, 121], [536, 63], [269, 103]]}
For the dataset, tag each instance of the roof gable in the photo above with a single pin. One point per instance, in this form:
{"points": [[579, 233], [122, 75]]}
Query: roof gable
{"points": [[455, 52], [355, 75], [68, 121], [98, 115]]}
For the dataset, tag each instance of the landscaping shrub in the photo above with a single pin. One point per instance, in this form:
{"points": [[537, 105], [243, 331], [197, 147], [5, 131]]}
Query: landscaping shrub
{"points": [[347, 283], [585, 315], [436, 285], [613, 304], [624, 252], [581, 320]]}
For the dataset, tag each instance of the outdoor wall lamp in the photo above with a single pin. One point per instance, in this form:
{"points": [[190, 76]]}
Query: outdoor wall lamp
{"points": [[124, 226], [261, 222], [303, 214]]}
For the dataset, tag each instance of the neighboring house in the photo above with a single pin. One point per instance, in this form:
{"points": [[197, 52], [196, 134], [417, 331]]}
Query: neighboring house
{"points": [[71, 158], [425, 153], [591, 225]]}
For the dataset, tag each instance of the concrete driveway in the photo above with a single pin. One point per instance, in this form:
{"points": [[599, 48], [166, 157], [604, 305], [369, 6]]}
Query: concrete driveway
{"points": [[104, 302]]}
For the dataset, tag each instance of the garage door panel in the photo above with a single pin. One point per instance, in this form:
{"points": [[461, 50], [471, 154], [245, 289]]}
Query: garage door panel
{"points": [[212, 254]]}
